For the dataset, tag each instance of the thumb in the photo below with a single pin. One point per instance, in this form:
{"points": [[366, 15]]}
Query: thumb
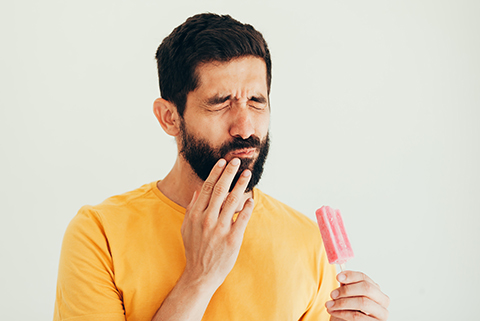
{"points": [[192, 201]]}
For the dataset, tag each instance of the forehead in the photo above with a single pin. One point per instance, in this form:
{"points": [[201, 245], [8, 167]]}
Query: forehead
{"points": [[238, 77]]}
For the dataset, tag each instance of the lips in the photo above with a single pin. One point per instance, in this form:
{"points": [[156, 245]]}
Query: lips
{"points": [[245, 152]]}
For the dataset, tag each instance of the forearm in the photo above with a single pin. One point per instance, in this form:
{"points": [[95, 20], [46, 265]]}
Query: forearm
{"points": [[212, 242], [188, 300]]}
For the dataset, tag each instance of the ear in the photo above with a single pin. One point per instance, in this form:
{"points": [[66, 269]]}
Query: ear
{"points": [[167, 115]]}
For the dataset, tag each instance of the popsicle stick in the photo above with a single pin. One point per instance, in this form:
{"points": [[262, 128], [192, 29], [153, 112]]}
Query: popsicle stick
{"points": [[342, 268]]}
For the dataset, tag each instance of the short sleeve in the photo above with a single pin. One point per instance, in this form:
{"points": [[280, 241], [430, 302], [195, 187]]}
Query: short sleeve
{"points": [[86, 282], [328, 282]]}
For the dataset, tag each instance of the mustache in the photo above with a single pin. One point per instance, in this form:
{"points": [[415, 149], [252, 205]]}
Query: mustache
{"points": [[240, 143]]}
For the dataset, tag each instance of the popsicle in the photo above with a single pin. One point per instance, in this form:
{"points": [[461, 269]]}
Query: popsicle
{"points": [[334, 237]]}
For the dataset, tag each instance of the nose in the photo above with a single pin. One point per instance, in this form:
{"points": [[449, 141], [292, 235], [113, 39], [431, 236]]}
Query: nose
{"points": [[242, 123]]}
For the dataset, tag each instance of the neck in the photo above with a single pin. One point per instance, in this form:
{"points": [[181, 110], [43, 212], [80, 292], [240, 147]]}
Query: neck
{"points": [[181, 182]]}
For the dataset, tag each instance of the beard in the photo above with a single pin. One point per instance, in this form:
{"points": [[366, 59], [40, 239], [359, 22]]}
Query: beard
{"points": [[202, 156]]}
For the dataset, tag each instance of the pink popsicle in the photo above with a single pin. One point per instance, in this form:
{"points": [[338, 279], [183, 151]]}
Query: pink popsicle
{"points": [[334, 236]]}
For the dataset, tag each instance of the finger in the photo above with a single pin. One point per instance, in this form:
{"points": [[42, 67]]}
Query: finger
{"points": [[360, 304], [238, 228], [222, 186], [207, 189], [233, 199], [347, 277], [346, 315], [362, 288]]}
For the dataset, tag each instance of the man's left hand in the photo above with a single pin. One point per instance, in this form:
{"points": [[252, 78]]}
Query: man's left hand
{"points": [[358, 298]]}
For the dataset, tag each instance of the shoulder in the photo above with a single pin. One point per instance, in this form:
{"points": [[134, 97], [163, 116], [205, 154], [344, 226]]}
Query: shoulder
{"points": [[145, 193], [127, 201], [118, 209]]}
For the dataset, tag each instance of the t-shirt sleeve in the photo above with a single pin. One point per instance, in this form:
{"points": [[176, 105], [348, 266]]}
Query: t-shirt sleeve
{"points": [[327, 284], [85, 287]]}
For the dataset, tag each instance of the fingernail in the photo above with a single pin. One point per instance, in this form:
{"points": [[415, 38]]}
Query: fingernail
{"points": [[335, 294], [221, 162], [235, 161], [246, 173], [329, 304], [342, 277]]}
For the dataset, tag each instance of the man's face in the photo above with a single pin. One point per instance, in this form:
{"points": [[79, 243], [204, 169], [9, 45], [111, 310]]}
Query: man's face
{"points": [[227, 116], [202, 156]]}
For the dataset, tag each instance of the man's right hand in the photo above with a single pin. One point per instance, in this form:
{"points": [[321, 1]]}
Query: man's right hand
{"points": [[212, 241]]}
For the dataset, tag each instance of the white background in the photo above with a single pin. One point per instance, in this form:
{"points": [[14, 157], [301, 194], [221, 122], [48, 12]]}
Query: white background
{"points": [[375, 110]]}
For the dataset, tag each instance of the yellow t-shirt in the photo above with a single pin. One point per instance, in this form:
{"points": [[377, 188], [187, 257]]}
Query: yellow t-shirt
{"points": [[121, 258]]}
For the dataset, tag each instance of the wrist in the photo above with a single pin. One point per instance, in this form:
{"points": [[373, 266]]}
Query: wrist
{"points": [[199, 283], [188, 299]]}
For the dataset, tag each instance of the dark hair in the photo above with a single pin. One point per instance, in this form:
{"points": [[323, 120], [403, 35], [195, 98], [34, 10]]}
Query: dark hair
{"points": [[203, 38]]}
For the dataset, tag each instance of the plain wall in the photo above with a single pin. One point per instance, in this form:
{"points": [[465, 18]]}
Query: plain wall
{"points": [[375, 110]]}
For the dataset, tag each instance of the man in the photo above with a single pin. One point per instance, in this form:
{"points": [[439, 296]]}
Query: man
{"points": [[203, 242]]}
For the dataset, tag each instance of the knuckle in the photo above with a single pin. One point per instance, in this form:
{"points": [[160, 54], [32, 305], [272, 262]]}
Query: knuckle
{"points": [[231, 240], [221, 226], [208, 187], [367, 287], [364, 301], [219, 190], [206, 224], [241, 217], [356, 316], [232, 199]]}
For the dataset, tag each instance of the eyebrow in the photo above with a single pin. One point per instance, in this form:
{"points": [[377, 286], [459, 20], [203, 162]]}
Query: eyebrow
{"points": [[217, 100], [259, 99]]}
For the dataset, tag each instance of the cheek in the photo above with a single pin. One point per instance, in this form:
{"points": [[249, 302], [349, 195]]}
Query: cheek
{"points": [[263, 125], [214, 131]]}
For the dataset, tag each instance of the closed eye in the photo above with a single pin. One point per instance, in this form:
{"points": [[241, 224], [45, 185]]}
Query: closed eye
{"points": [[218, 108], [258, 107], [258, 102]]}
